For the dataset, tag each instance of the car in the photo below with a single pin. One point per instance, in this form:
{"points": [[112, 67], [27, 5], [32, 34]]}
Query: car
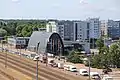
{"points": [[83, 72], [54, 65], [106, 70], [107, 77], [95, 75], [73, 69], [36, 58]]}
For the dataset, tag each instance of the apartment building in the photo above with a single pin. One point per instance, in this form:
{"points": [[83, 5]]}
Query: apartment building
{"points": [[110, 28], [81, 31], [104, 29], [95, 31], [51, 26], [65, 29]]}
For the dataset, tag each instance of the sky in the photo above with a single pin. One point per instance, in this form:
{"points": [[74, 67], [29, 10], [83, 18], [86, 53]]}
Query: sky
{"points": [[60, 9]]}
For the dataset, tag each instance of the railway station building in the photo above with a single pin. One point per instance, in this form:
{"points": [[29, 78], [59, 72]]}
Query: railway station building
{"points": [[48, 43]]}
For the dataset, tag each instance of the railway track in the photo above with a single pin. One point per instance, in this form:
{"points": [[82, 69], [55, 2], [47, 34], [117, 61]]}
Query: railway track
{"points": [[41, 69], [7, 75], [28, 66], [18, 69], [48, 70], [32, 70]]}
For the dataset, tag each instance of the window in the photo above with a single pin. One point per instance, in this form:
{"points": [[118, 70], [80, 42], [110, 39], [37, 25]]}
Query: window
{"points": [[88, 25], [76, 25]]}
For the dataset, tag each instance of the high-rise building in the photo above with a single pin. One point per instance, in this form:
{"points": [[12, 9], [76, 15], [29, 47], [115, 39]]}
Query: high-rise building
{"points": [[94, 28], [81, 31], [110, 28], [104, 29], [65, 29], [51, 26]]}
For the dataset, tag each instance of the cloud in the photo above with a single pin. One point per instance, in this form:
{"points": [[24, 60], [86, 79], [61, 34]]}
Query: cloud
{"points": [[15, 0], [83, 2]]}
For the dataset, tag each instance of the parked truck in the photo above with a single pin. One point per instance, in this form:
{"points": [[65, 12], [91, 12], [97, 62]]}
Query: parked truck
{"points": [[60, 65]]}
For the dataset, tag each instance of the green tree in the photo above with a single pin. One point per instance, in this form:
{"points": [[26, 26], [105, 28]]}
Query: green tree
{"points": [[3, 32], [114, 55], [100, 45], [74, 57], [101, 60]]}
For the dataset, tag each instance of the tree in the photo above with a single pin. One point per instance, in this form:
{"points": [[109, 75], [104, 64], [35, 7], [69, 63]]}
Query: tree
{"points": [[100, 45], [114, 55], [101, 60], [3, 32], [74, 57]]}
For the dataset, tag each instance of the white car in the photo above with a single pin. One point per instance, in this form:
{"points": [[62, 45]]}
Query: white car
{"points": [[67, 67], [94, 75], [107, 77], [36, 58], [73, 69], [83, 72]]}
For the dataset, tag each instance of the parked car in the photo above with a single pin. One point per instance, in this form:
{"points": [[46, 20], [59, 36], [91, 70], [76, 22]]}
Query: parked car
{"points": [[107, 77], [83, 72], [67, 67], [50, 61], [95, 75], [106, 70], [54, 65], [36, 58], [73, 69]]}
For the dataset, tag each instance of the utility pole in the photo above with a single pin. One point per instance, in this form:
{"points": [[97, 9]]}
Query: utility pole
{"points": [[37, 70], [6, 57], [2, 45], [37, 61], [20, 49], [88, 53], [89, 65]]}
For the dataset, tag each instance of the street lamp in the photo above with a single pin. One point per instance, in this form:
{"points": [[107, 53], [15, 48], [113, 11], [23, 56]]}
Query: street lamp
{"points": [[2, 45], [6, 57], [88, 55], [89, 65], [37, 61], [20, 49]]}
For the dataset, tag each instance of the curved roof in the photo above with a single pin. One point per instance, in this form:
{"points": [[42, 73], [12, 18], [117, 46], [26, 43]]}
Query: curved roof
{"points": [[41, 37]]}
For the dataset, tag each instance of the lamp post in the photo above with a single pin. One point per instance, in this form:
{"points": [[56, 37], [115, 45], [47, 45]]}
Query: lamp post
{"points": [[6, 57], [88, 55], [2, 45], [37, 61], [89, 65]]}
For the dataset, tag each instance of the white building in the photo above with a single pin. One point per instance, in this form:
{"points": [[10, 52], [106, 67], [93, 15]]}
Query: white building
{"points": [[18, 42], [51, 26], [81, 31], [95, 31], [104, 27]]}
